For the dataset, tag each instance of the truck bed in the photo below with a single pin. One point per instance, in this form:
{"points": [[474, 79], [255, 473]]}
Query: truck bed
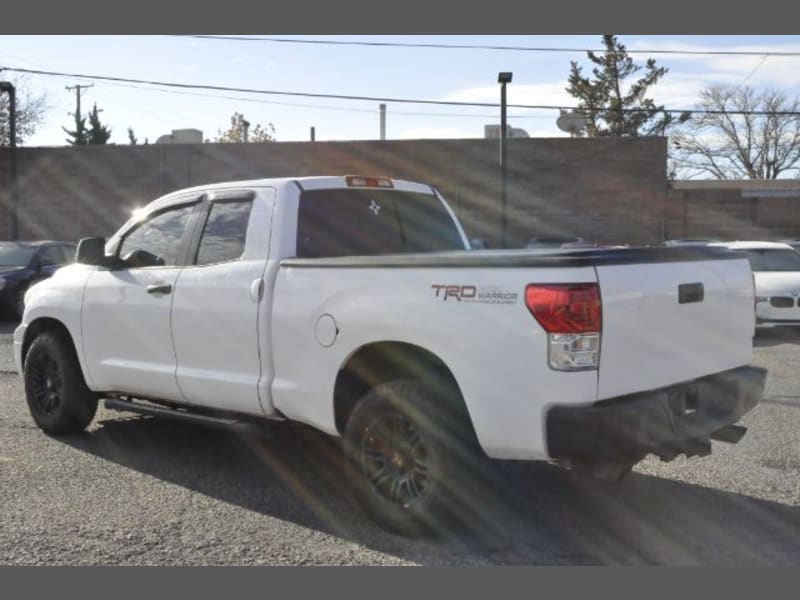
{"points": [[468, 308]]}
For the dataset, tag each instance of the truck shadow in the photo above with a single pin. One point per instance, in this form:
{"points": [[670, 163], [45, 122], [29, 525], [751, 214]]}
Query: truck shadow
{"points": [[775, 336], [520, 513], [7, 326]]}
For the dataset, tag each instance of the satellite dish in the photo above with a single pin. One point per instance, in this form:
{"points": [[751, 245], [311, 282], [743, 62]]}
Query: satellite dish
{"points": [[572, 122]]}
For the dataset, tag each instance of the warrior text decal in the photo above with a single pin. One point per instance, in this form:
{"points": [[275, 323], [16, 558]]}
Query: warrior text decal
{"points": [[471, 293]]}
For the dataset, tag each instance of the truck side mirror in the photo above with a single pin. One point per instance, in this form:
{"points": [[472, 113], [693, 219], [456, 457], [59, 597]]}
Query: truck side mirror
{"points": [[92, 251]]}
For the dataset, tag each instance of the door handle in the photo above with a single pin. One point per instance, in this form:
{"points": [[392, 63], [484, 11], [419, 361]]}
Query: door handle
{"points": [[256, 289], [159, 288], [690, 292]]}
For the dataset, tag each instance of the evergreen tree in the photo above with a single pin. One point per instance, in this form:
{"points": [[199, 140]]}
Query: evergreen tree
{"points": [[80, 135], [98, 133], [613, 104]]}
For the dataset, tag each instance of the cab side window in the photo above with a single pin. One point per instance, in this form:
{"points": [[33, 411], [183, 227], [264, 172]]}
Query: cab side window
{"points": [[225, 232], [157, 241]]}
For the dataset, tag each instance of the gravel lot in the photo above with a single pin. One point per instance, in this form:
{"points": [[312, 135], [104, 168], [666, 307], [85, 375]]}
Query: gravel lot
{"points": [[144, 491]]}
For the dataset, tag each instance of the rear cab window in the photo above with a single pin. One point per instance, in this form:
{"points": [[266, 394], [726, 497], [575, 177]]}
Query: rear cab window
{"points": [[367, 222]]}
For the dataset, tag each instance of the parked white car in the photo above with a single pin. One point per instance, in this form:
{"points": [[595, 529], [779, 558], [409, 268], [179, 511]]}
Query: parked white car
{"points": [[793, 243], [776, 270]]}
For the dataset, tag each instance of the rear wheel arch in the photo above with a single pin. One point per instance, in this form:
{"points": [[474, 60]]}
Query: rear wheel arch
{"points": [[377, 363]]}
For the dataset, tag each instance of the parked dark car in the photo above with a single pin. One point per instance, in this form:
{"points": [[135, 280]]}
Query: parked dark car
{"points": [[24, 263]]}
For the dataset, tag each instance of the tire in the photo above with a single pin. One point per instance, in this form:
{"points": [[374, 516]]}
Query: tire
{"points": [[58, 398], [410, 452]]}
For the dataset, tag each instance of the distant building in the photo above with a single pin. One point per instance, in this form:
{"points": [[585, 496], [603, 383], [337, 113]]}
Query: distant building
{"points": [[747, 188], [182, 136], [493, 132]]}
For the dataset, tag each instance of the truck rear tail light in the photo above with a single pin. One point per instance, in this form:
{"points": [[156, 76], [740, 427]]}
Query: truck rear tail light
{"points": [[571, 315], [359, 181], [565, 308]]}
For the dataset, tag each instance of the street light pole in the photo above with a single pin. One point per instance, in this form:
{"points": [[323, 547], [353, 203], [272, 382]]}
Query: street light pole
{"points": [[7, 87], [503, 78]]}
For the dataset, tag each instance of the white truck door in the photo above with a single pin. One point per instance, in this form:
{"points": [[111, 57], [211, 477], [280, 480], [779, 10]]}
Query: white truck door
{"points": [[217, 299], [126, 311]]}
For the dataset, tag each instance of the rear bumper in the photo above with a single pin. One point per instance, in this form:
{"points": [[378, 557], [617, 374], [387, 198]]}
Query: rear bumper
{"points": [[679, 419], [776, 322]]}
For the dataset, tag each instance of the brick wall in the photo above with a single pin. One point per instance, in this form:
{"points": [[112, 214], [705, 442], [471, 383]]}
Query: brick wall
{"points": [[602, 188], [735, 210]]}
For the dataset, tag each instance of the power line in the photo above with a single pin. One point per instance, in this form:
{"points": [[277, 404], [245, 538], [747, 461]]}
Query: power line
{"points": [[241, 38], [379, 98], [138, 108], [321, 106], [220, 88], [753, 72]]}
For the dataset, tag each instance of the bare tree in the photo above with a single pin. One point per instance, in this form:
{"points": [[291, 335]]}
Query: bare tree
{"points": [[240, 131], [31, 108], [732, 142]]}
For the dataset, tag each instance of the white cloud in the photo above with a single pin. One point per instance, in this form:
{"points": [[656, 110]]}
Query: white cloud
{"points": [[680, 90], [550, 94], [778, 71]]}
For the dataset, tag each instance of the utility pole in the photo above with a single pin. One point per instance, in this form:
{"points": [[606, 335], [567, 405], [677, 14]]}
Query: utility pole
{"points": [[7, 87], [503, 78], [78, 87], [383, 121]]}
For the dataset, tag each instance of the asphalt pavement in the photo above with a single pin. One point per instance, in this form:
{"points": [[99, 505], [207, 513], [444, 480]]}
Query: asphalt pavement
{"points": [[138, 490]]}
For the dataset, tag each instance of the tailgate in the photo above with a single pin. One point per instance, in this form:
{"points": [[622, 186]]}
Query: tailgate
{"points": [[658, 329]]}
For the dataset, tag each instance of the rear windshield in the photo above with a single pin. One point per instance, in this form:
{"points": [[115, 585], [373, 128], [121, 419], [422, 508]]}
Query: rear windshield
{"points": [[360, 222], [774, 260]]}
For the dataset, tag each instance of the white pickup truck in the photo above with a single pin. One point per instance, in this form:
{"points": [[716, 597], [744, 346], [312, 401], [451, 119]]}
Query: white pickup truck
{"points": [[354, 305]]}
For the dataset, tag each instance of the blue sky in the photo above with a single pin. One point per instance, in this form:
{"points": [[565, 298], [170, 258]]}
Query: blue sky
{"points": [[438, 74]]}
